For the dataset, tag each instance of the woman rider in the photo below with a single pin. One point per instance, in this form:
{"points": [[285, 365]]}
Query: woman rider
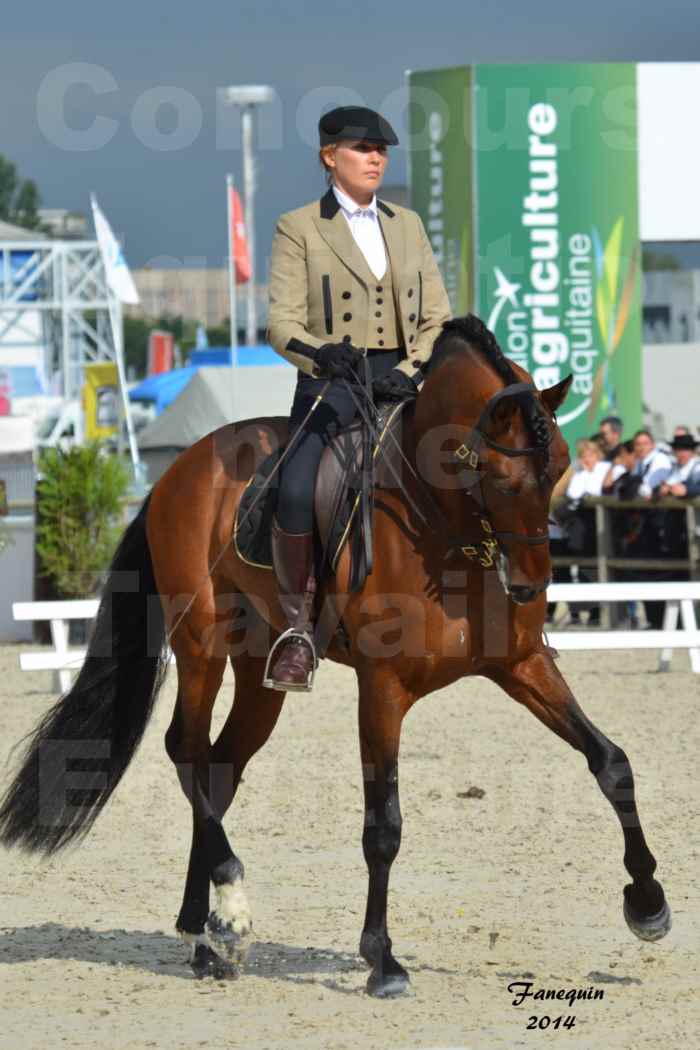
{"points": [[350, 276]]}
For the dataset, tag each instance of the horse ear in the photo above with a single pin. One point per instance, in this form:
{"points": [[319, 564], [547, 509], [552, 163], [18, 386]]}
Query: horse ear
{"points": [[554, 396]]}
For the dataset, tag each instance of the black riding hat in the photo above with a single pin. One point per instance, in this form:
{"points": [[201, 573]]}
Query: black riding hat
{"points": [[355, 122]]}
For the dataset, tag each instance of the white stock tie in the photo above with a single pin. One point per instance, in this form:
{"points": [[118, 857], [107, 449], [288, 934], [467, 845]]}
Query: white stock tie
{"points": [[366, 231]]}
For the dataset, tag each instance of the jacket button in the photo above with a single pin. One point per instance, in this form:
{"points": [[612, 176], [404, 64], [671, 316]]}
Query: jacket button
{"points": [[378, 313], [347, 338], [380, 288], [381, 342], [346, 295], [379, 302], [409, 293], [380, 329], [348, 317], [412, 317]]}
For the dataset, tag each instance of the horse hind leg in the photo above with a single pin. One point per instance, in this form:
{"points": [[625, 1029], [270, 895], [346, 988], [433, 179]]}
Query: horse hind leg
{"points": [[536, 682], [216, 948], [250, 722]]}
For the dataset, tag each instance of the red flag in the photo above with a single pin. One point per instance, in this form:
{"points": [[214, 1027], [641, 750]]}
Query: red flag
{"points": [[239, 243], [160, 352]]}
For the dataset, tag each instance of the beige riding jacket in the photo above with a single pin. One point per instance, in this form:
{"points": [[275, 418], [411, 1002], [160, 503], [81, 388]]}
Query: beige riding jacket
{"points": [[322, 290]]}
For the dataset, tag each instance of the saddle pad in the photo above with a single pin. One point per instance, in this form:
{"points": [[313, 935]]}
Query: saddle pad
{"points": [[252, 527]]}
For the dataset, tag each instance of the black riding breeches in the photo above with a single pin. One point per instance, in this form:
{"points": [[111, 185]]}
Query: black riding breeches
{"points": [[295, 498]]}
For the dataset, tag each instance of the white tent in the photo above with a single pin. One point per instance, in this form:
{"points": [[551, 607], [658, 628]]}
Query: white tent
{"points": [[16, 434], [208, 402], [10, 232]]}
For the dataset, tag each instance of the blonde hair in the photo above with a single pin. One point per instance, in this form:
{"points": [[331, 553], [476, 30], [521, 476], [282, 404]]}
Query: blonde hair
{"points": [[588, 446], [328, 171]]}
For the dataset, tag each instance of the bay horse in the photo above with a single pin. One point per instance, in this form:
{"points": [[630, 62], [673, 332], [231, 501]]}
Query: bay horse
{"points": [[484, 450]]}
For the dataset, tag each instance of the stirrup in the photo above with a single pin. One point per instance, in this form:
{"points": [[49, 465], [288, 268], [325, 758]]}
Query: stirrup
{"points": [[271, 683]]}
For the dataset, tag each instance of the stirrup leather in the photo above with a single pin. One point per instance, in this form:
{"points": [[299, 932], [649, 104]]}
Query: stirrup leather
{"points": [[271, 683]]}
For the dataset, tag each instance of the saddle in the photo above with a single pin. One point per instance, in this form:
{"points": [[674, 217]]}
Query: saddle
{"points": [[337, 497]]}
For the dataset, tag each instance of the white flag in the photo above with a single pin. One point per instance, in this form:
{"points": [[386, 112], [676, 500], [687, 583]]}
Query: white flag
{"points": [[118, 276]]}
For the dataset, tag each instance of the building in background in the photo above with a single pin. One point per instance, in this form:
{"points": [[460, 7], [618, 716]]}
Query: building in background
{"points": [[199, 294], [63, 224]]}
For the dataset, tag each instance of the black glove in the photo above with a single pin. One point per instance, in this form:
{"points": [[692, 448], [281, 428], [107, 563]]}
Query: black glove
{"points": [[394, 386], [338, 361]]}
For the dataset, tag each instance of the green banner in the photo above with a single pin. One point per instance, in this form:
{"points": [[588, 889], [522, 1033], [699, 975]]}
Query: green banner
{"points": [[558, 239], [440, 129]]}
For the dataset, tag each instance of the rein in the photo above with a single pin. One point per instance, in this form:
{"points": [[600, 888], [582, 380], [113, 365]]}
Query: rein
{"points": [[485, 549]]}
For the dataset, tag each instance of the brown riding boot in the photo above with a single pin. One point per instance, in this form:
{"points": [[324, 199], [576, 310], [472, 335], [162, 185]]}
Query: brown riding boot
{"points": [[292, 659]]}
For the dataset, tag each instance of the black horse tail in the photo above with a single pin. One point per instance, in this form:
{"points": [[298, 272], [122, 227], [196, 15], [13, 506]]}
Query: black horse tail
{"points": [[77, 755]]}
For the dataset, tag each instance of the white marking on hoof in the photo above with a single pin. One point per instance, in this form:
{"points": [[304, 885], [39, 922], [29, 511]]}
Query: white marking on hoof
{"points": [[193, 939], [230, 925]]}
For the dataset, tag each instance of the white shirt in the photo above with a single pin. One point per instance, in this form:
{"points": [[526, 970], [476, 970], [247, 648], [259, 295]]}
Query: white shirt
{"points": [[679, 475], [654, 468], [588, 482], [365, 229]]}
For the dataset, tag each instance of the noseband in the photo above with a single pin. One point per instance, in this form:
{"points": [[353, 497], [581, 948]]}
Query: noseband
{"points": [[470, 455]]}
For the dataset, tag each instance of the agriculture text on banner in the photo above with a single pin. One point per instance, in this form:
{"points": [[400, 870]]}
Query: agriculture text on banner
{"points": [[554, 177]]}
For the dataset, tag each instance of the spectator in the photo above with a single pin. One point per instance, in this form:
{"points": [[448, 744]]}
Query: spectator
{"points": [[653, 465], [611, 429], [620, 463], [558, 545], [580, 526], [682, 483], [678, 431], [588, 479], [599, 440], [684, 479], [622, 483]]}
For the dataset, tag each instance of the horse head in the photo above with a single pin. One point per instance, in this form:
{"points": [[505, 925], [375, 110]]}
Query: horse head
{"points": [[488, 445]]}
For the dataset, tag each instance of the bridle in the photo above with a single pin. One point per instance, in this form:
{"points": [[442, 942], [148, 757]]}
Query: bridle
{"points": [[470, 454]]}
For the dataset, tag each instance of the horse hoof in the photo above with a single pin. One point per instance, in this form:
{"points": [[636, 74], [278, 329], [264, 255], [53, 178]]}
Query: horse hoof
{"points": [[388, 986], [651, 927], [229, 939], [206, 963]]}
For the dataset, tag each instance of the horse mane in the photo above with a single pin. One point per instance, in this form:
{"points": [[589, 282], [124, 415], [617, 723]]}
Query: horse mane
{"points": [[472, 330]]}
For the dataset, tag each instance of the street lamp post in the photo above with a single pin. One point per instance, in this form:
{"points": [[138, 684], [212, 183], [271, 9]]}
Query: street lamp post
{"points": [[248, 96]]}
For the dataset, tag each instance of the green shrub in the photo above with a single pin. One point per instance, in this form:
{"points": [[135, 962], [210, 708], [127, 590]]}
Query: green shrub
{"points": [[79, 503]]}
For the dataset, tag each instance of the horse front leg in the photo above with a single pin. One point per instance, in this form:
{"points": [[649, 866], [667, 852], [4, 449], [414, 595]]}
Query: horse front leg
{"points": [[380, 718], [537, 683]]}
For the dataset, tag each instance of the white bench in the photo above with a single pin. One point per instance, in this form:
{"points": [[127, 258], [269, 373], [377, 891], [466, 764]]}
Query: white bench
{"points": [[60, 659]]}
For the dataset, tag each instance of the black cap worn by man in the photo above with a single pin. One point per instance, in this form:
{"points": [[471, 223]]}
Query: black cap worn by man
{"points": [[355, 122]]}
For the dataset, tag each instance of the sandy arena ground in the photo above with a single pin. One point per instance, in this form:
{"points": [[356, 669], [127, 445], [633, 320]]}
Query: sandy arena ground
{"points": [[526, 880]]}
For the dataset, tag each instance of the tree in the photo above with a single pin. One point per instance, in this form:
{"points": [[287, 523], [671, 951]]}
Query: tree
{"points": [[653, 260], [26, 211], [8, 187], [19, 201], [79, 498], [136, 332]]}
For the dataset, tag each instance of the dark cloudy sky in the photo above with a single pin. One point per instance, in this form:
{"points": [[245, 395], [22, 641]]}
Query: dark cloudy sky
{"points": [[95, 97]]}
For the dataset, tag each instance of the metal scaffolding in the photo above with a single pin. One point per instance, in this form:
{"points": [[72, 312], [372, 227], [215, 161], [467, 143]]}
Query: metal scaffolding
{"points": [[63, 284]]}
